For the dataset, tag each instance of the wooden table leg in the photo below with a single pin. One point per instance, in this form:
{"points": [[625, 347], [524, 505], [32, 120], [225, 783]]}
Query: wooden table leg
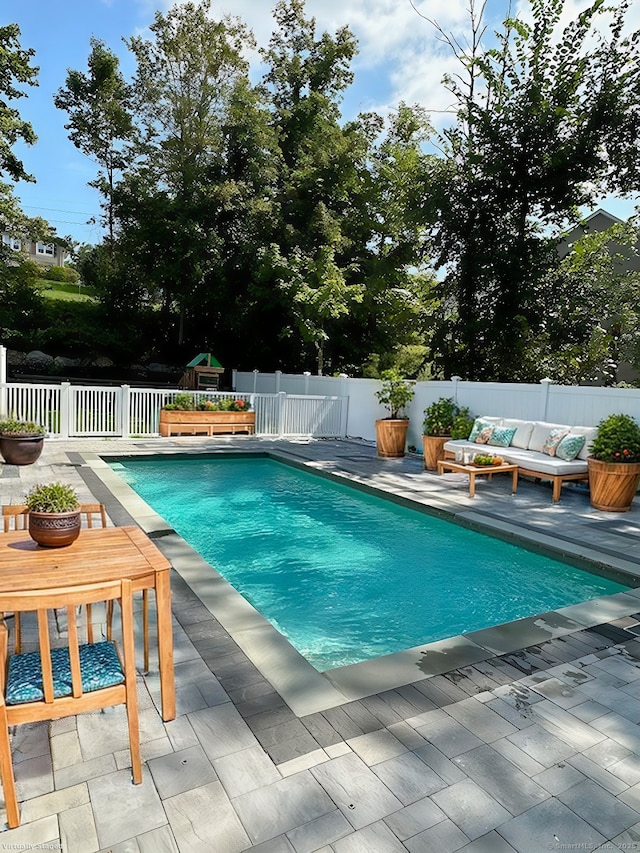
{"points": [[165, 646], [514, 487], [472, 484]]}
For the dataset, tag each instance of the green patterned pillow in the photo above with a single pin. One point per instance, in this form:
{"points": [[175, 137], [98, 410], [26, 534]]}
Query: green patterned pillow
{"points": [[502, 436], [478, 426], [550, 446], [570, 446]]}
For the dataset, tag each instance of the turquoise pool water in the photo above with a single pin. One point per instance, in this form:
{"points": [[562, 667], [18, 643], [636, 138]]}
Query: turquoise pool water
{"points": [[346, 576]]}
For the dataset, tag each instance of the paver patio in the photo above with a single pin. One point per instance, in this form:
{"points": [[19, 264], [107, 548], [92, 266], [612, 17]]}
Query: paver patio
{"points": [[529, 749]]}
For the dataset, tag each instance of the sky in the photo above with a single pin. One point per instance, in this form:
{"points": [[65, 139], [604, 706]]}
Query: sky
{"points": [[399, 59]]}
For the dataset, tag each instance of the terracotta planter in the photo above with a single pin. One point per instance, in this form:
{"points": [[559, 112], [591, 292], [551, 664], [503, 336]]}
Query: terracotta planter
{"points": [[54, 529], [21, 449], [433, 449], [391, 437], [173, 422], [613, 485]]}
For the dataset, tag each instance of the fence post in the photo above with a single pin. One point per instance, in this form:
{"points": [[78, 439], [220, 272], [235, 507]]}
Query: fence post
{"points": [[66, 414], [455, 380], [125, 411], [544, 397], [234, 379], [3, 381], [282, 400], [255, 380], [278, 375]]}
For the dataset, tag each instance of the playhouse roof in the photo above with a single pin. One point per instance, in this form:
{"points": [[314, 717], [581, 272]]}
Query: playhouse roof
{"points": [[205, 358]]}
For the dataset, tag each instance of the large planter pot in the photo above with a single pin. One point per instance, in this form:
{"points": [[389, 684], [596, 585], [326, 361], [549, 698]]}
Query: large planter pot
{"points": [[21, 449], [54, 529], [391, 437], [613, 485], [209, 423], [433, 449]]}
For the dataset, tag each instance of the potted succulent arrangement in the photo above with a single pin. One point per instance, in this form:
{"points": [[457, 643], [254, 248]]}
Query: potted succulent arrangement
{"points": [[209, 416], [54, 514], [443, 420], [391, 432], [21, 442], [614, 464]]}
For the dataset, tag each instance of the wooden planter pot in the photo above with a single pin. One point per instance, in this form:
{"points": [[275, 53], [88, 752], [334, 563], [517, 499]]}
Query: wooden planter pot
{"points": [[433, 449], [208, 423], [54, 529], [391, 437], [613, 485], [21, 449]]}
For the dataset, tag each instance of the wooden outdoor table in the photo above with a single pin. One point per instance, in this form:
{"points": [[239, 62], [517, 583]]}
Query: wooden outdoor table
{"points": [[97, 555], [473, 471]]}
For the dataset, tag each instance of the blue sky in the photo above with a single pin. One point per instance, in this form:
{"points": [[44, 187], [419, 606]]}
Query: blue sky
{"points": [[399, 59]]}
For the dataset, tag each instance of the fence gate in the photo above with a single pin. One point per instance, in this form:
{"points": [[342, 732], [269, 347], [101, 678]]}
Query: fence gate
{"points": [[95, 411]]}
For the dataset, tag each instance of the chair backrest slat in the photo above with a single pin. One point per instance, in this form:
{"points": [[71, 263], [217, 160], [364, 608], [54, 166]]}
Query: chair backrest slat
{"points": [[89, 510], [15, 516]]}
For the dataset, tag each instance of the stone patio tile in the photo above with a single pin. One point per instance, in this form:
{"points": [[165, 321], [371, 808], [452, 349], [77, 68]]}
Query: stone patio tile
{"points": [[245, 770], [471, 808], [548, 825], [617, 700], [542, 746], [449, 736], [620, 667], [589, 711], [34, 777], [159, 840], [203, 820], [78, 831], [356, 790], [376, 838], [489, 843], [221, 731], [497, 775], [335, 750], [620, 729], [65, 750], [149, 750], [628, 769], [517, 756], [29, 835], [445, 837], [181, 771], [631, 797], [606, 752], [559, 778], [408, 777], [319, 832], [518, 718], [181, 734], [376, 746], [566, 726], [284, 805], [601, 809], [123, 810], [629, 839], [75, 773], [281, 844], [445, 768], [52, 803], [102, 733], [559, 692], [30, 740], [302, 762], [598, 774], [481, 720], [407, 735], [414, 818]]}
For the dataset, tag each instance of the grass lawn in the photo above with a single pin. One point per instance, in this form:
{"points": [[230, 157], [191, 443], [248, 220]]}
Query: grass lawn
{"points": [[66, 291]]}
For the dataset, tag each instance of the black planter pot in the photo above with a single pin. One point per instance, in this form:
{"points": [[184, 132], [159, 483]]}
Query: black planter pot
{"points": [[21, 449]]}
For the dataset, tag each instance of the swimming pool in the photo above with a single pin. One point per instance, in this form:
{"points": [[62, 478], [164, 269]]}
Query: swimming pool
{"points": [[344, 575]]}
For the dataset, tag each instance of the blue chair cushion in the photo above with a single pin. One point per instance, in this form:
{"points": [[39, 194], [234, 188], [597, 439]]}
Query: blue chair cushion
{"points": [[99, 665]]}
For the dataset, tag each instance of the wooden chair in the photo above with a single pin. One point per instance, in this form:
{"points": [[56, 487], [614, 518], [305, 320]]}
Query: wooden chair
{"points": [[15, 517], [68, 680]]}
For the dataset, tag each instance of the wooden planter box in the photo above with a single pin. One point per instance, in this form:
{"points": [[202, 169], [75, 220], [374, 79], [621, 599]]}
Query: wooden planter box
{"points": [[207, 423]]}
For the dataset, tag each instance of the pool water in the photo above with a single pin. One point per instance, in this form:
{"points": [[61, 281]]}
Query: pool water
{"points": [[344, 575]]}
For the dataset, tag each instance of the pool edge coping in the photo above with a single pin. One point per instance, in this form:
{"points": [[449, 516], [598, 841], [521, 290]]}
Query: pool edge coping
{"points": [[301, 686]]}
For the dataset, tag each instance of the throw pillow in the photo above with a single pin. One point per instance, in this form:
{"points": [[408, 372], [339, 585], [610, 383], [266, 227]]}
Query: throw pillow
{"points": [[502, 436], [570, 446], [484, 435], [552, 441], [478, 426]]}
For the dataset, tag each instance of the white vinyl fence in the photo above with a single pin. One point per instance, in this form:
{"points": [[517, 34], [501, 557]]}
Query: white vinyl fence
{"points": [[71, 411]]}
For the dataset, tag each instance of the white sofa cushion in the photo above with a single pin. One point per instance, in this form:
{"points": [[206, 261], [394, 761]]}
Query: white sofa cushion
{"points": [[523, 431], [530, 460], [590, 433], [540, 433]]}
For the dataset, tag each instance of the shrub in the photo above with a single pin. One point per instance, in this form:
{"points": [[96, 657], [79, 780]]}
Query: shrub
{"points": [[445, 417], [395, 393], [618, 440], [56, 274], [52, 497], [12, 426]]}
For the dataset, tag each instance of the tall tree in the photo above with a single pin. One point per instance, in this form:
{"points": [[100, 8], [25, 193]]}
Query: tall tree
{"points": [[15, 70], [101, 123], [537, 135]]}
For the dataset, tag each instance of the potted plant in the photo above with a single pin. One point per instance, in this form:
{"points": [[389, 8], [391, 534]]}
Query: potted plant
{"points": [[54, 514], [21, 442], [223, 414], [443, 420], [391, 432], [614, 464]]}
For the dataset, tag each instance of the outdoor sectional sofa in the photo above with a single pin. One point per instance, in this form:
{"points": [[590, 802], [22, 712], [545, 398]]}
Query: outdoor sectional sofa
{"points": [[525, 450]]}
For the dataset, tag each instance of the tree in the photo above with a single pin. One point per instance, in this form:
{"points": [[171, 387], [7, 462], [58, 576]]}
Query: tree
{"points": [[99, 107], [537, 135], [15, 69]]}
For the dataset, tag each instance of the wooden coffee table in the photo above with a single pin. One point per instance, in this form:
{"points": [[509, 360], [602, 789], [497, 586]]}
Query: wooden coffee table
{"points": [[473, 471]]}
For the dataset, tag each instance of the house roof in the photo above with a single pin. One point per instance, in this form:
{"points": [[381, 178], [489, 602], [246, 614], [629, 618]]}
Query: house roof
{"points": [[205, 358]]}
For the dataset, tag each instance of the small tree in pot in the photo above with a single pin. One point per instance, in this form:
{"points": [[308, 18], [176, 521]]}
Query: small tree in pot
{"points": [[443, 420], [391, 432], [614, 464], [21, 442], [54, 514]]}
